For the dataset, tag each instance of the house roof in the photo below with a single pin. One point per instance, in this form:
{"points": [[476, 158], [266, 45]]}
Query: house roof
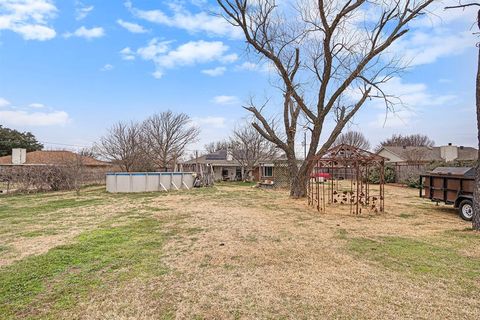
{"points": [[430, 153], [467, 153], [219, 158], [53, 158]]}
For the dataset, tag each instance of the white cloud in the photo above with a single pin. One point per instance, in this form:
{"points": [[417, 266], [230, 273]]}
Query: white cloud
{"points": [[29, 18], [225, 100], [210, 121], [154, 49], [82, 32], [439, 17], [415, 97], [28, 116], [4, 102], [195, 52], [438, 34], [192, 22], [215, 72], [425, 47], [258, 67], [82, 10], [157, 74], [132, 27], [107, 67], [127, 54], [36, 105], [187, 54], [24, 118], [249, 66], [229, 58]]}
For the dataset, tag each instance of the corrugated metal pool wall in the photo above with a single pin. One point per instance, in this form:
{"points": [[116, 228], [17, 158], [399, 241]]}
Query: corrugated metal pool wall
{"points": [[149, 181]]}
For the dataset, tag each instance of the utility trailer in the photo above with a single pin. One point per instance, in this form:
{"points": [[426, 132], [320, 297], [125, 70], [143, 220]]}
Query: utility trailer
{"points": [[452, 185]]}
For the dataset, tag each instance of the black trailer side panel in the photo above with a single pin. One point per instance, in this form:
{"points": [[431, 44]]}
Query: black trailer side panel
{"points": [[448, 184]]}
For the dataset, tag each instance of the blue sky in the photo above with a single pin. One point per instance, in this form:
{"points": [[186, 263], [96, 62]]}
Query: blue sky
{"points": [[70, 69]]}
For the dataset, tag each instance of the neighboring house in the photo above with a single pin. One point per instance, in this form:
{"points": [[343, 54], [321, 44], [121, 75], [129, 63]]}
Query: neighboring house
{"points": [[410, 162], [95, 170], [406, 154], [54, 157], [225, 168]]}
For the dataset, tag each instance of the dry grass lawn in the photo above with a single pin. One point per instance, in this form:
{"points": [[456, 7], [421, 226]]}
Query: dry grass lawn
{"points": [[233, 252]]}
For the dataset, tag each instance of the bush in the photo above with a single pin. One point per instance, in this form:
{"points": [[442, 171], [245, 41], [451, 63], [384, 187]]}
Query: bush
{"points": [[39, 178], [374, 175], [413, 182]]}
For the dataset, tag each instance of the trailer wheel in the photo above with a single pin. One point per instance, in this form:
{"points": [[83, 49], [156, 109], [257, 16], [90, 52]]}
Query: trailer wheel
{"points": [[465, 209]]}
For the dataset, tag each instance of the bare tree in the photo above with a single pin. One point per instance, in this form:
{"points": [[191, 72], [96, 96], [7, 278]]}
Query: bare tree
{"points": [[476, 191], [216, 146], [353, 138], [249, 148], [74, 166], [412, 140], [166, 136], [123, 146], [330, 57]]}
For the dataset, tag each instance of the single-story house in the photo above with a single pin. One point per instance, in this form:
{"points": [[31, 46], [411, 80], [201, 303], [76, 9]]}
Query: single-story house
{"points": [[94, 170], [408, 154], [49, 157], [410, 162], [225, 168]]}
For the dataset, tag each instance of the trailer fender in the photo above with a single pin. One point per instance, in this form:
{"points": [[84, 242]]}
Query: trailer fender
{"points": [[460, 198]]}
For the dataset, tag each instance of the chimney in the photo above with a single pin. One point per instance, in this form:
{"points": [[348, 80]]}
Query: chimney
{"points": [[19, 156], [229, 155], [449, 153]]}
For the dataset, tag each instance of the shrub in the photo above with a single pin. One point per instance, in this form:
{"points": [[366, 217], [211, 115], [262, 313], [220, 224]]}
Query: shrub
{"points": [[413, 182], [374, 175]]}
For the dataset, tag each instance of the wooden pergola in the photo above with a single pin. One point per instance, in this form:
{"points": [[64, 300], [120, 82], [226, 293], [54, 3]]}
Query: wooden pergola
{"points": [[341, 177]]}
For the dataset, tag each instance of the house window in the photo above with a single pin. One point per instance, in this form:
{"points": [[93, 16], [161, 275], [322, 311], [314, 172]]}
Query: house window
{"points": [[267, 171]]}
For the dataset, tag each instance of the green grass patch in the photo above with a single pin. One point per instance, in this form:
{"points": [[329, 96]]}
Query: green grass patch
{"points": [[342, 234], [406, 215], [40, 286], [18, 209], [236, 184], [39, 233], [4, 248], [419, 258]]}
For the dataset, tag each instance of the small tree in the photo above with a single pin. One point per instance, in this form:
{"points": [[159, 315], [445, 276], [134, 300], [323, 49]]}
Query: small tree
{"points": [[353, 138], [250, 148], [10, 139], [122, 145], [166, 136]]}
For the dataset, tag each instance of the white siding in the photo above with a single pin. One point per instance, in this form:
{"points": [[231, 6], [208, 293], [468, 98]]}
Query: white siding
{"points": [[390, 156]]}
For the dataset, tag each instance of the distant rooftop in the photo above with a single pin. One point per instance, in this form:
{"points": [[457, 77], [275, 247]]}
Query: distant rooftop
{"points": [[53, 158]]}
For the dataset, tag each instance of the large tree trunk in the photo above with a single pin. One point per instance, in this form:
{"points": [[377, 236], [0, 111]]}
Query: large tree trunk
{"points": [[298, 188], [476, 192], [298, 179]]}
